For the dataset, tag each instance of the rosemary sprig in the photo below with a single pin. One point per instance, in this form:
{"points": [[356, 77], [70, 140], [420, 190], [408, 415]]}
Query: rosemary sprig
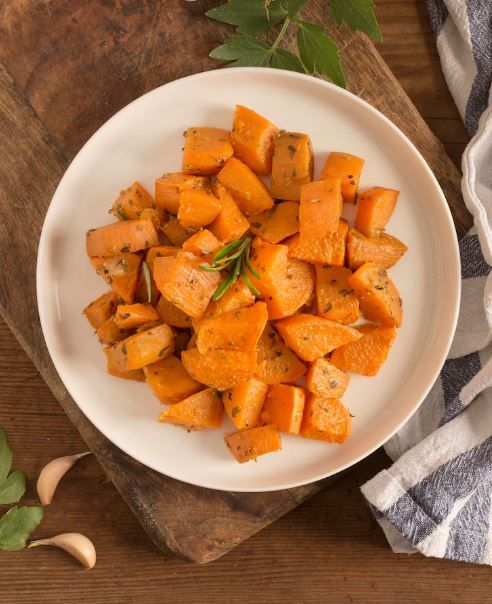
{"points": [[233, 257]]}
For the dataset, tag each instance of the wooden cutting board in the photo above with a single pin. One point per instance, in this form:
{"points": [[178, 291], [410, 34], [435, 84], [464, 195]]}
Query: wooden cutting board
{"points": [[65, 68]]}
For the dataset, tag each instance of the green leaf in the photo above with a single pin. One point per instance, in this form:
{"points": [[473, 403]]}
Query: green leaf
{"points": [[319, 53], [12, 489], [292, 7], [357, 14], [122, 212], [16, 526], [243, 51], [283, 59], [5, 456], [249, 16]]}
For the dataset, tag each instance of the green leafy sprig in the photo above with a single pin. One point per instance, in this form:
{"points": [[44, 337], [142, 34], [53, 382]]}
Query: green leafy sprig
{"points": [[317, 52], [233, 257]]}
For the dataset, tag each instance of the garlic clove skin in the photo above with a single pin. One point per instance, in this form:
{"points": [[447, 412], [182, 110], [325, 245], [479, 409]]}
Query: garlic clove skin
{"points": [[76, 544], [52, 473]]}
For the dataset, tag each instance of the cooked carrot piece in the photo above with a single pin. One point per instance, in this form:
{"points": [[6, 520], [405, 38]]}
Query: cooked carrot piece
{"points": [[136, 375], [326, 380], [320, 208], [326, 419], [121, 272], [366, 355], [311, 337], [284, 405], [101, 309], [202, 243], [131, 202], [327, 250], [253, 442], [347, 168], [142, 348], [335, 299], [230, 224], [129, 316], [175, 232], [158, 217], [238, 329], [281, 221], [244, 402], [206, 150], [384, 250], [276, 362], [237, 296], [247, 190], [293, 292], [221, 369], [197, 208], [171, 314], [378, 296], [159, 251], [169, 187], [170, 381], [253, 137], [200, 411], [270, 261], [292, 165], [120, 238], [182, 282], [375, 209], [109, 333]]}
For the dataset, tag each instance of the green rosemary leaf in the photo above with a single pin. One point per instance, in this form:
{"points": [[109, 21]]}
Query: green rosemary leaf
{"points": [[226, 249], [122, 213], [251, 269], [148, 280], [247, 281], [224, 286]]}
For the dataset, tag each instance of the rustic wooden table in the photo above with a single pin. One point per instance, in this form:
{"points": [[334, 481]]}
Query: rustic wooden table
{"points": [[328, 550]]}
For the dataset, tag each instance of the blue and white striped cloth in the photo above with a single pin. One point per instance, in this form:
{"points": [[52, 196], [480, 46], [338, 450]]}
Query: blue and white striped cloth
{"points": [[437, 496]]}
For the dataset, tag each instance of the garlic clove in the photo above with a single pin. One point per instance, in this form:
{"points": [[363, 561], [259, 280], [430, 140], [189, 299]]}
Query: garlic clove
{"points": [[77, 545], [52, 473]]}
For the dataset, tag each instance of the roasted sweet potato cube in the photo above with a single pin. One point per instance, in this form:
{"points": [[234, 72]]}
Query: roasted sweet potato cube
{"points": [[270, 261], [335, 299], [200, 411], [326, 380], [100, 310], [237, 296], [157, 216], [238, 329], [293, 292], [379, 299], [136, 375], [384, 250], [281, 221], [202, 243], [292, 165], [327, 250], [197, 208], [311, 337], [276, 363], [284, 406], [169, 187], [347, 168], [120, 272], [159, 251], [182, 282], [221, 369], [244, 402], [129, 316], [253, 137], [230, 224], [121, 238], [375, 209], [109, 333], [320, 208], [253, 442], [176, 232], [142, 348], [247, 190], [366, 355], [325, 419], [131, 202], [206, 150], [170, 381], [172, 315]]}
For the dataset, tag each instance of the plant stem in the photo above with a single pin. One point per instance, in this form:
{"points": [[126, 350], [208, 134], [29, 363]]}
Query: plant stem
{"points": [[281, 33]]}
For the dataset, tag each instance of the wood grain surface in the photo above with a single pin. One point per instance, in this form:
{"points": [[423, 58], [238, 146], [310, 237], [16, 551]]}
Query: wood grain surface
{"points": [[328, 549]]}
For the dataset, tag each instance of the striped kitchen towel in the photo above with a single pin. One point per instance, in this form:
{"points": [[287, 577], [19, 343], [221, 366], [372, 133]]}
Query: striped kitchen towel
{"points": [[437, 496]]}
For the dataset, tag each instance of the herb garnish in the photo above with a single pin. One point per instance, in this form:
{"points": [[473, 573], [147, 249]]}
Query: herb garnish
{"points": [[122, 212]]}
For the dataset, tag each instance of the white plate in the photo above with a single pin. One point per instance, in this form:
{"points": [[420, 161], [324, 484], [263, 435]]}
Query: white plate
{"points": [[144, 140]]}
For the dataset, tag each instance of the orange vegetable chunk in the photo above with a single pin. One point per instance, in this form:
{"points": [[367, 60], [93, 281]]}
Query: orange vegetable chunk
{"points": [[311, 337], [157, 216], [326, 419], [384, 250], [121, 237], [238, 329], [230, 224], [379, 299], [247, 190], [253, 442], [171, 314], [347, 168], [169, 187], [320, 208], [206, 150], [375, 209], [197, 208], [270, 261], [237, 296], [176, 232], [100, 310], [335, 299], [142, 348], [170, 381], [109, 333], [200, 411], [281, 221], [129, 316], [293, 292], [253, 137], [366, 355], [221, 369], [244, 402], [182, 282], [326, 380], [131, 202], [292, 165], [327, 250], [136, 375], [276, 363], [284, 406], [121, 272], [202, 243]]}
